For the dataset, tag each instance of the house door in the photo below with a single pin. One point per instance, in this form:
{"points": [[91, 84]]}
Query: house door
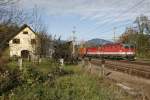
{"points": [[24, 53]]}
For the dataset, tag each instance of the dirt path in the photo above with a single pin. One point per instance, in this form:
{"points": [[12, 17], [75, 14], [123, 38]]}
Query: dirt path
{"points": [[136, 85], [132, 84]]}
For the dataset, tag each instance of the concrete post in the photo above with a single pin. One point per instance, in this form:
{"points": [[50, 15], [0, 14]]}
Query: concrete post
{"points": [[102, 71], [83, 63], [102, 67], [40, 60], [90, 66], [62, 62], [20, 63]]}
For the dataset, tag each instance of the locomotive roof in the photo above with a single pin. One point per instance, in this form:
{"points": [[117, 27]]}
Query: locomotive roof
{"points": [[112, 44], [118, 44]]}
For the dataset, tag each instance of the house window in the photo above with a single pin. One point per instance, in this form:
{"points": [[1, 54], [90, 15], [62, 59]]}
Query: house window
{"points": [[16, 41], [33, 41], [25, 32]]}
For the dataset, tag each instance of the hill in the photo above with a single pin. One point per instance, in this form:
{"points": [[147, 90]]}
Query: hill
{"points": [[96, 42]]}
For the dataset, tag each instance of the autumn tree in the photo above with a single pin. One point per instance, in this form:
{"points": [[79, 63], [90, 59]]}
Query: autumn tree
{"points": [[143, 45], [141, 42], [129, 36]]}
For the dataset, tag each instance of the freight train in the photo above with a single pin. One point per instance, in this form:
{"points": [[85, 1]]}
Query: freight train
{"points": [[110, 51]]}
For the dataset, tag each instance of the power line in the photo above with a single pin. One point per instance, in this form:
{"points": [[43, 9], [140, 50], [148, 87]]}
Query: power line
{"points": [[105, 15], [118, 27], [136, 5], [114, 34]]}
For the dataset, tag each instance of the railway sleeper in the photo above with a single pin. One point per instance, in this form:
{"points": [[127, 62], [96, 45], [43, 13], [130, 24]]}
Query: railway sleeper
{"points": [[130, 71], [125, 69]]}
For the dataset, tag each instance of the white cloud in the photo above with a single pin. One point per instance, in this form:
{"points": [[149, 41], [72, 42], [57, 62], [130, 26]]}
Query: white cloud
{"points": [[100, 11], [91, 9]]}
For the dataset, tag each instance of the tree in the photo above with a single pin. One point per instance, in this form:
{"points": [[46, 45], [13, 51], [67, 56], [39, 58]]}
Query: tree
{"points": [[46, 43], [36, 21], [39, 27], [129, 36], [140, 41], [12, 18], [63, 50], [9, 12], [143, 24], [143, 45]]}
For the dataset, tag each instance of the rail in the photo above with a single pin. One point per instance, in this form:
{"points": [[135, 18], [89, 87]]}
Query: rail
{"points": [[126, 67]]}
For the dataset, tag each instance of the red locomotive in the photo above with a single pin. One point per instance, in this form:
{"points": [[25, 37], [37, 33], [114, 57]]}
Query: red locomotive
{"points": [[111, 50]]}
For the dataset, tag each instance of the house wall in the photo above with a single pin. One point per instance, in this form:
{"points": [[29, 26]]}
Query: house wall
{"points": [[25, 43]]}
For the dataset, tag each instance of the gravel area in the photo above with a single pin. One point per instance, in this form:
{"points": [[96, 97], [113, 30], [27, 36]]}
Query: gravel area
{"points": [[136, 86]]}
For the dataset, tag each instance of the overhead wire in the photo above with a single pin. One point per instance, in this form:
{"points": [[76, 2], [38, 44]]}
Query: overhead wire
{"points": [[105, 15], [131, 8]]}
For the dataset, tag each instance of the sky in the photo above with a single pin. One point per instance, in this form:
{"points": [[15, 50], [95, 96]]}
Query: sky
{"points": [[89, 18]]}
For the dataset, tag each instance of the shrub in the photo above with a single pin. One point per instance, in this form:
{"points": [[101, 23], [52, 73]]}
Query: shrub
{"points": [[67, 83], [9, 80], [3, 61]]}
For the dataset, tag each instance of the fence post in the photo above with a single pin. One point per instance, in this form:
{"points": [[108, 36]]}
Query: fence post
{"points": [[20, 63], [102, 67], [40, 60], [83, 63], [90, 66], [61, 64]]}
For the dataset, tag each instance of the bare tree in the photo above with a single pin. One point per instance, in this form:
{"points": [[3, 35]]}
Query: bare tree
{"points": [[12, 16], [143, 23], [37, 21], [5, 8], [39, 27]]}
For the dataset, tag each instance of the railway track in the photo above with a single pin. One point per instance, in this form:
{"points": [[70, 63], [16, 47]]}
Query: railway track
{"points": [[126, 67], [147, 63]]}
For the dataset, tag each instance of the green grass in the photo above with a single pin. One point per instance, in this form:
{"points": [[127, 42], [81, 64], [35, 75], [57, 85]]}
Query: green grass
{"points": [[45, 66], [13, 65], [82, 86], [72, 84]]}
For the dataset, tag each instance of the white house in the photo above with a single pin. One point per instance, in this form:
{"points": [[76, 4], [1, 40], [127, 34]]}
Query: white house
{"points": [[24, 43]]}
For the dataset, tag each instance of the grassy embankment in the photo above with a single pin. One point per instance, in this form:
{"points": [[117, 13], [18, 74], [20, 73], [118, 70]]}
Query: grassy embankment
{"points": [[47, 82]]}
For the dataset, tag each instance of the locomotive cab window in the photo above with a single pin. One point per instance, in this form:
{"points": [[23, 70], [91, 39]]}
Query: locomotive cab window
{"points": [[126, 46], [132, 47]]}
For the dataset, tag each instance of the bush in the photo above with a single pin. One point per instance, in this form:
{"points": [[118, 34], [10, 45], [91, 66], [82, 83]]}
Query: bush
{"points": [[73, 85], [3, 61], [9, 79], [67, 83]]}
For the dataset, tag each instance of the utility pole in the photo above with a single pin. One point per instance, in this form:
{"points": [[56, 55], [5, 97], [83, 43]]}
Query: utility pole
{"points": [[114, 34], [73, 41]]}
